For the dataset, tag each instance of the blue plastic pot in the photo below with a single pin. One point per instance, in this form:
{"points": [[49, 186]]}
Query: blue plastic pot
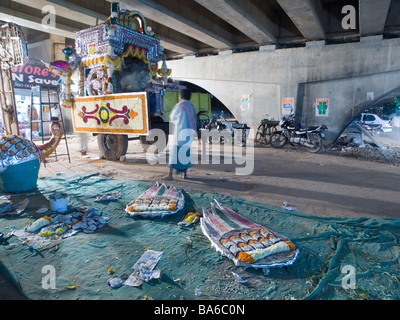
{"points": [[20, 177]]}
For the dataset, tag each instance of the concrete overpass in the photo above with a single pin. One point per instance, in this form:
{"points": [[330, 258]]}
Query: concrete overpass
{"points": [[202, 27], [268, 50]]}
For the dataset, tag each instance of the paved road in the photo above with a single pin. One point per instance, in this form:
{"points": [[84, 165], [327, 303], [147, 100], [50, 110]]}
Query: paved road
{"points": [[391, 139], [324, 184]]}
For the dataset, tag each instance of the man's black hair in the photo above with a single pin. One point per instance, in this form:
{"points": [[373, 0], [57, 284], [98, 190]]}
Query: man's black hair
{"points": [[185, 94]]}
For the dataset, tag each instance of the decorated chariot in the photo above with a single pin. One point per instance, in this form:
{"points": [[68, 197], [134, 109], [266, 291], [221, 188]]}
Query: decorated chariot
{"points": [[122, 78]]}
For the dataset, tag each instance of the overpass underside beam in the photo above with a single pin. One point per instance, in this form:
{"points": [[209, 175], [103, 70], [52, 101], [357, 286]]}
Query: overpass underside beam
{"points": [[33, 18], [244, 16], [181, 16], [373, 16], [306, 15]]}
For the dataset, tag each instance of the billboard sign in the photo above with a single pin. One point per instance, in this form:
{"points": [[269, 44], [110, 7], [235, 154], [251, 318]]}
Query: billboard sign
{"points": [[28, 76]]}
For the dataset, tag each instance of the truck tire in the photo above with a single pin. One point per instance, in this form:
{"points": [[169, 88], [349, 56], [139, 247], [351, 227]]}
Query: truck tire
{"points": [[112, 146]]}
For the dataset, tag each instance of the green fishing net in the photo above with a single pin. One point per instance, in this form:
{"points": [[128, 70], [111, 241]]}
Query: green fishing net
{"points": [[355, 258]]}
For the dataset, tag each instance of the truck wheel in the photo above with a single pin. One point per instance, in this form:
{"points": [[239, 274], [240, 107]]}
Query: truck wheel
{"points": [[112, 146]]}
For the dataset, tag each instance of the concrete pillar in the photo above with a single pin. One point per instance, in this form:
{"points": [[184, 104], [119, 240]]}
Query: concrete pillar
{"points": [[57, 43], [343, 73]]}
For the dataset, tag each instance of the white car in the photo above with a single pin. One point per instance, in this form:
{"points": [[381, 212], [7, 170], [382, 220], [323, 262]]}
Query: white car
{"points": [[373, 119]]}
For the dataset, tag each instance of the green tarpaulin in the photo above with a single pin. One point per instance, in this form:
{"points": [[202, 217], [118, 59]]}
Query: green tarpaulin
{"points": [[339, 258]]}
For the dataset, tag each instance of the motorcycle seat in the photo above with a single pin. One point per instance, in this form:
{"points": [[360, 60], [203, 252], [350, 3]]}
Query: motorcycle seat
{"points": [[239, 126]]}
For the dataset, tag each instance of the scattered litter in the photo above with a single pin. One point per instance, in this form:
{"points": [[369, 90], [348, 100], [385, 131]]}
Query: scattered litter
{"points": [[54, 249], [90, 157], [370, 152], [144, 269], [188, 190], [111, 271], [198, 292], [42, 210], [179, 281], [385, 155], [72, 287], [266, 271], [48, 231], [8, 210], [4, 237], [190, 219], [5, 207], [285, 206], [38, 224], [152, 159], [239, 279], [147, 275], [359, 142], [108, 197], [31, 247], [4, 199], [115, 282]]}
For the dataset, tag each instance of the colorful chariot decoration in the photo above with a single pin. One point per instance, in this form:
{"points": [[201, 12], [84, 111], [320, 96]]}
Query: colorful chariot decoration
{"points": [[102, 56], [246, 243], [158, 201]]}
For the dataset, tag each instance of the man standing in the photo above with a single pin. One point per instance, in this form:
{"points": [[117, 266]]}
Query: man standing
{"points": [[184, 121]]}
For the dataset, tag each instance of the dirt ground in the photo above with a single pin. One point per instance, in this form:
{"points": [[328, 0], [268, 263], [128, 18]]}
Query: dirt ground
{"points": [[327, 184]]}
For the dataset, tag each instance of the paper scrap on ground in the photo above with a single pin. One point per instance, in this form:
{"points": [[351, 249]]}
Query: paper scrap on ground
{"points": [[108, 197], [285, 206], [46, 232], [8, 210], [144, 269]]}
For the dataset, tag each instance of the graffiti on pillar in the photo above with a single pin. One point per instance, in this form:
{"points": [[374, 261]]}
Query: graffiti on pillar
{"points": [[245, 100], [322, 108], [287, 106]]}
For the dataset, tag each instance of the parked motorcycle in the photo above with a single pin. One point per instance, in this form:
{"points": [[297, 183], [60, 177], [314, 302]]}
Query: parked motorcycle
{"points": [[226, 132], [202, 120], [292, 133]]}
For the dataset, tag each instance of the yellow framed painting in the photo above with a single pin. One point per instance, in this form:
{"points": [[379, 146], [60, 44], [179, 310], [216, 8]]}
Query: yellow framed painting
{"points": [[115, 113]]}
